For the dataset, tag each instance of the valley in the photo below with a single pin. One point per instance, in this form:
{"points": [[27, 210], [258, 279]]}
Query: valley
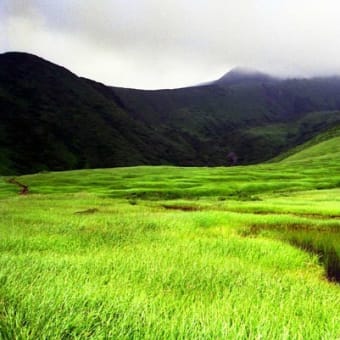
{"points": [[169, 170], [175, 252], [52, 120]]}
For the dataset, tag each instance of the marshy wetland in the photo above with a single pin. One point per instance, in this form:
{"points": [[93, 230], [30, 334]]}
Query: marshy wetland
{"points": [[169, 252]]}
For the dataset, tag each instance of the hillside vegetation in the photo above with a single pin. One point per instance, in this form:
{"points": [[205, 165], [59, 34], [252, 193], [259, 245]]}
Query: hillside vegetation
{"points": [[330, 134], [51, 119], [245, 252]]}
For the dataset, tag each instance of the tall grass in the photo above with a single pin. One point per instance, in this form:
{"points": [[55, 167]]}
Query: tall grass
{"points": [[165, 253]]}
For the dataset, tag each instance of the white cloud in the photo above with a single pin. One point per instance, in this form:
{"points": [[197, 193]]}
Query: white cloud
{"points": [[169, 43]]}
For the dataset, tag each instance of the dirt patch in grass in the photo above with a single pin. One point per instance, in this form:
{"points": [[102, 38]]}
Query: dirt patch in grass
{"points": [[317, 216], [255, 229], [87, 211], [181, 207]]}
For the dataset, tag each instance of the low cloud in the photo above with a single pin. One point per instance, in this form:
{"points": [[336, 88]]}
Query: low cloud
{"points": [[172, 43]]}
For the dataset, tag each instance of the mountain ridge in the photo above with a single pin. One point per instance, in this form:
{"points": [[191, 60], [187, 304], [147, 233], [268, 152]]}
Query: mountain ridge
{"points": [[52, 119], [239, 75]]}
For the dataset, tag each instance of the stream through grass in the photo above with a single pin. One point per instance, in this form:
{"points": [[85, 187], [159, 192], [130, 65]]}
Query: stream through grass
{"points": [[323, 243]]}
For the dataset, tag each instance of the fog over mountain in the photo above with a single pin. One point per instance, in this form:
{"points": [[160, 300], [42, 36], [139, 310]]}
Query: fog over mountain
{"points": [[51, 119], [172, 43]]}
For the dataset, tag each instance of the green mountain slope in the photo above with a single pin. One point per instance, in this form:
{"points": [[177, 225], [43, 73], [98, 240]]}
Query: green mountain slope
{"points": [[51, 119], [328, 149], [313, 165], [330, 136]]}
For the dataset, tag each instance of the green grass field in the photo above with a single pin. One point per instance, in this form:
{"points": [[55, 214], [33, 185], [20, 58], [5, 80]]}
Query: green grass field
{"points": [[248, 252]]}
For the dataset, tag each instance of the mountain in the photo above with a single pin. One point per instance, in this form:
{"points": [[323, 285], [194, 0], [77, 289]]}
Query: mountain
{"points": [[240, 75], [299, 152], [51, 119]]}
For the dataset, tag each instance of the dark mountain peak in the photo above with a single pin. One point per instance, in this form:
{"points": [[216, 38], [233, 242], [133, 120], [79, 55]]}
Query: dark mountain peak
{"points": [[21, 58], [19, 65], [17, 54], [240, 75]]}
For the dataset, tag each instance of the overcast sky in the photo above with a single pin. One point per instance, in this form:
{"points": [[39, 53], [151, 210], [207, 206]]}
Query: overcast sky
{"points": [[174, 43]]}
